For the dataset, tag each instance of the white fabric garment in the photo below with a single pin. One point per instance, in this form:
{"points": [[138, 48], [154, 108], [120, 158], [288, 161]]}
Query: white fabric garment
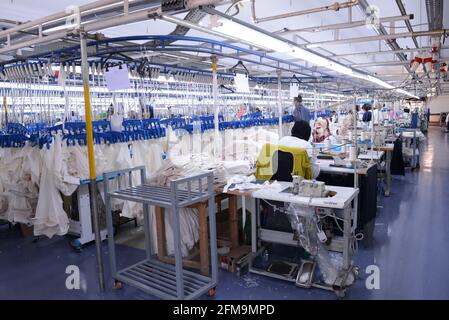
{"points": [[188, 218], [360, 114], [116, 123], [19, 174], [293, 142], [25, 171], [378, 116], [3, 200], [50, 218]]}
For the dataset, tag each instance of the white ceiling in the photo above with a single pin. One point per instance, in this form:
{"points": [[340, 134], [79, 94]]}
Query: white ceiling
{"points": [[23, 10]]}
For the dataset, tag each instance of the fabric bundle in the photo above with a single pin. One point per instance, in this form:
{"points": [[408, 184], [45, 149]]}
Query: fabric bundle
{"points": [[60, 168]]}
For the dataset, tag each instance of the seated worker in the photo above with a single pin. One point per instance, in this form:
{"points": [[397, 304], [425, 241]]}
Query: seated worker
{"points": [[301, 132]]}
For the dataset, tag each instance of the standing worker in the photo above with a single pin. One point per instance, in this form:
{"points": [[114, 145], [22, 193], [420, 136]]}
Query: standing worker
{"points": [[367, 115], [300, 112]]}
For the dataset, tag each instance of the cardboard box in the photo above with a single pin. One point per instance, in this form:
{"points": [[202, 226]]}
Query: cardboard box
{"points": [[231, 260]]}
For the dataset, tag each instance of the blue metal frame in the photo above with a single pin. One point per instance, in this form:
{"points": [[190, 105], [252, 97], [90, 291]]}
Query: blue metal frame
{"points": [[165, 43]]}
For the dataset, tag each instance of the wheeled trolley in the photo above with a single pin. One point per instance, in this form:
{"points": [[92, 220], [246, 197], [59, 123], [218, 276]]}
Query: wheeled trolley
{"points": [[151, 275]]}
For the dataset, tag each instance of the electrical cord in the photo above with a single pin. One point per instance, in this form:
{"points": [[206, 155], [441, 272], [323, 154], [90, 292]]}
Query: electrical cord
{"points": [[234, 4], [270, 204], [355, 237]]}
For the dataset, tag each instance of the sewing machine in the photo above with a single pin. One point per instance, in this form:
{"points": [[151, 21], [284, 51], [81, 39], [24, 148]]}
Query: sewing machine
{"points": [[310, 188], [337, 201]]}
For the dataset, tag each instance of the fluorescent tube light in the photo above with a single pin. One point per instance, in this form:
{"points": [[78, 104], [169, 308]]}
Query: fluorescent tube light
{"points": [[267, 42], [406, 93], [379, 82], [251, 36]]}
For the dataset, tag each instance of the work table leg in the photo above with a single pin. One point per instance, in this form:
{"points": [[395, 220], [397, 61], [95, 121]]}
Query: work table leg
{"points": [[233, 221], [160, 226], [204, 241], [388, 174]]}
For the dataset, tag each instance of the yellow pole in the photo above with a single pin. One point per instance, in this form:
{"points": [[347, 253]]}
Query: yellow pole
{"points": [[91, 156], [89, 133]]}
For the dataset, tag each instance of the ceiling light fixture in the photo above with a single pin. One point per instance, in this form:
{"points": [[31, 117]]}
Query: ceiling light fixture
{"points": [[261, 40]]}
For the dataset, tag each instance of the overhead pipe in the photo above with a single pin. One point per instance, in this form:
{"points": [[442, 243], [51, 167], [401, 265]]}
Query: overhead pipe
{"points": [[407, 23], [345, 25], [435, 33], [175, 20], [363, 5], [378, 64], [194, 16], [371, 53], [10, 23], [434, 14], [109, 11], [88, 27], [333, 7], [434, 10], [56, 16], [193, 4], [245, 24], [409, 28]]}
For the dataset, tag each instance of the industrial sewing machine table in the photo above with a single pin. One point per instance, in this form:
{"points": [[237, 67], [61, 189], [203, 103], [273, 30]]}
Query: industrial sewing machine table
{"points": [[151, 275], [340, 201]]}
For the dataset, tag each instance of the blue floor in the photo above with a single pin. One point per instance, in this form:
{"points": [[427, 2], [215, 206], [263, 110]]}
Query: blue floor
{"points": [[410, 249]]}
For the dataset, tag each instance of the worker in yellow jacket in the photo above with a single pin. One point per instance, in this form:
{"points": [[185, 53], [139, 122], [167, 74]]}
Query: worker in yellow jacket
{"points": [[300, 136]]}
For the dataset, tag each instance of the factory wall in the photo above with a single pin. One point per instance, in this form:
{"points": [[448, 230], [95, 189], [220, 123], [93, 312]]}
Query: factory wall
{"points": [[439, 104]]}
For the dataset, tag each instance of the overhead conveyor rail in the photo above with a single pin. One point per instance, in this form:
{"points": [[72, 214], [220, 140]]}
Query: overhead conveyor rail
{"points": [[110, 49]]}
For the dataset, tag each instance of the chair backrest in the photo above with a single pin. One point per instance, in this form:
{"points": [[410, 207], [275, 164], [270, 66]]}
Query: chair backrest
{"points": [[282, 166], [274, 161]]}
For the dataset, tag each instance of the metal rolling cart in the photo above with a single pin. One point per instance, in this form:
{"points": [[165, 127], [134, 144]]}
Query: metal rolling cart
{"points": [[410, 140], [151, 275]]}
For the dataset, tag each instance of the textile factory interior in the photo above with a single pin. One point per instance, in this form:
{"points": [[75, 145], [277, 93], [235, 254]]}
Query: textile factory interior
{"points": [[224, 150]]}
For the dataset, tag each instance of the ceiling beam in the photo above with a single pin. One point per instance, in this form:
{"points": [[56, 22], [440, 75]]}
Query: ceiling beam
{"points": [[395, 36], [375, 53], [407, 22], [364, 6], [345, 25], [335, 7], [435, 14], [378, 64]]}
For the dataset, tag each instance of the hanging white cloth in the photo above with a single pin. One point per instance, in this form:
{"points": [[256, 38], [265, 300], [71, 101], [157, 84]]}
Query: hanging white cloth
{"points": [[50, 218], [19, 172]]}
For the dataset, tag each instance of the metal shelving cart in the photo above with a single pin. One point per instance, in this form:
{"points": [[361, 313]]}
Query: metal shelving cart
{"points": [[411, 140], [151, 275]]}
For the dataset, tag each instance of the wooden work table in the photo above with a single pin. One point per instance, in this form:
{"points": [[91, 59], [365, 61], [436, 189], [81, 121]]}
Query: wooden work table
{"points": [[202, 207]]}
